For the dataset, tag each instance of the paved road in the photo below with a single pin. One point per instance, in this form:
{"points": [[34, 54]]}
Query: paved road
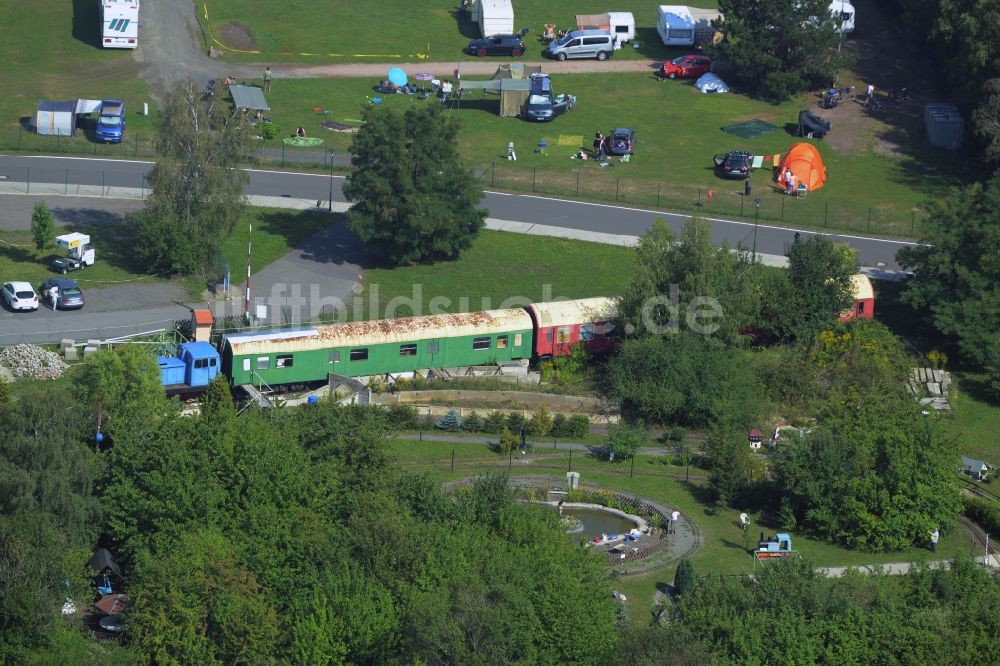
{"points": [[522, 208]]}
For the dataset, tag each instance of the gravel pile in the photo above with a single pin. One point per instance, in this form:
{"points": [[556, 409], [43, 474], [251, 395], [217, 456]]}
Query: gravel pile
{"points": [[31, 361]]}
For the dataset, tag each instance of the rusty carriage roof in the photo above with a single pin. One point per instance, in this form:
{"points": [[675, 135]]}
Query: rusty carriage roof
{"points": [[381, 331], [580, 311]]}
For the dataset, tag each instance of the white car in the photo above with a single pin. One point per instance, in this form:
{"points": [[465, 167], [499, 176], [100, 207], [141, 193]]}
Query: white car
{"points": [[20, 296]]}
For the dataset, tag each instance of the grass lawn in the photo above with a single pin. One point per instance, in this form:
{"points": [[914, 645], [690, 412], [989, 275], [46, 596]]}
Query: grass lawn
{"points": [[678, 132], [500, 270], [53, 53], [723, 549], [393, 29], [275, 232], [974, 422]]}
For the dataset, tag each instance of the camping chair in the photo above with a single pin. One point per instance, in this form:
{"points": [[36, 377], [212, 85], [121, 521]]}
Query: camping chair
{"points": [[801, 191]]}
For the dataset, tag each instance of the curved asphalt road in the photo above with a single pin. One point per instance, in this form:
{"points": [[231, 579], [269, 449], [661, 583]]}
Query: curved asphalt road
{"points": [[597, 217]]}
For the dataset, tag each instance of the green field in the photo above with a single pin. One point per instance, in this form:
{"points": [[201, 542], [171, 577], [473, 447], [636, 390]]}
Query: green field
{"points": [[301, 31], [678, 132], [50, 51], [499, 268], [275, 233]]}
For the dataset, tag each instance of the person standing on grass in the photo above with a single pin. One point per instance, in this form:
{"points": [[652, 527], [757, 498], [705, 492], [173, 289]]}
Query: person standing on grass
{"points": [[267, 79], [935, 536]]}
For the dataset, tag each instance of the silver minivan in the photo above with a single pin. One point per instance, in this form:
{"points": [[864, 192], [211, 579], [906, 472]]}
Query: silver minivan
{"points": [[598, 44]]}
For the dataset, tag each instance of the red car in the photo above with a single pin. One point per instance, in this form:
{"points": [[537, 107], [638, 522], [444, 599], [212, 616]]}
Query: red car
{"points": [[686, 67]]}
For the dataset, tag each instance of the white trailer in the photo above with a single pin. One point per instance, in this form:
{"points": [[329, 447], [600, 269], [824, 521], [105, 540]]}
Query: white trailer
{"points": [[675, 25], [495, 17], [79, 253], [843, 13], [119, 24], [619, 24]]}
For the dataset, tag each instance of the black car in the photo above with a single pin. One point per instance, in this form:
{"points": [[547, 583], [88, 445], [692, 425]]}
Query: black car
{"points": [[542, 104], [506, 45], [621, 141], [734, 164], [68, 294]]}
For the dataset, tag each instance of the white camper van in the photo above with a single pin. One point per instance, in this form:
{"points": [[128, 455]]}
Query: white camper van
{"points": [[119, 24]]}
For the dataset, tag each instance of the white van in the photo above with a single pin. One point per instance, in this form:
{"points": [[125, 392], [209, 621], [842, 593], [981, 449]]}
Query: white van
{"points": [[598, 44]]}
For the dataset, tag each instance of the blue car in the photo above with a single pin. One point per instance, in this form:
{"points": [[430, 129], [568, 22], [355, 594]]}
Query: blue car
{"points": [[111, 122]]}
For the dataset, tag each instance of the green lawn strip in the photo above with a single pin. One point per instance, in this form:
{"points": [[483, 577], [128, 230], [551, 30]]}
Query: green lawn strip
{"points": [[53, 54], [678, 133], [339, 31], [974, 421], [500, 270]]}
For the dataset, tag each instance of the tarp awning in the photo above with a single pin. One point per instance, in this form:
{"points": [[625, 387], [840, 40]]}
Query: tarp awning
{"points": [[597, 21], [85, 106], [248, 97], [750, 128], [516, 71], [102, 560]]}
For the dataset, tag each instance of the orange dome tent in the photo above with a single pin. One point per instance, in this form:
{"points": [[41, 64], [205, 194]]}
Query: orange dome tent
{"points": [[807, 165]]}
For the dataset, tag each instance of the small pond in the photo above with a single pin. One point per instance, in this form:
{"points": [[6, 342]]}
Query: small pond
{"points": [[596, 522]]}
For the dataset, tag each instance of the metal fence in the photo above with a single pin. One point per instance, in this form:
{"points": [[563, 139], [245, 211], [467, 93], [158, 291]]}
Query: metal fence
{"points": [[85, 334]]}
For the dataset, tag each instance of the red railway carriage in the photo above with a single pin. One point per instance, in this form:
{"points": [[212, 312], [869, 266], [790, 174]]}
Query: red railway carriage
{"points": [[864, 299], [561, 324]]}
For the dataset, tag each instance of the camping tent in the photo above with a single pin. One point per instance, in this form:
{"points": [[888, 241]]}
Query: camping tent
{"points": [[516, 71], [513, 93], [805, 162], [102, 560], [710, 83], [56, 118], [248, 97], [813, 126], [496, 17]]}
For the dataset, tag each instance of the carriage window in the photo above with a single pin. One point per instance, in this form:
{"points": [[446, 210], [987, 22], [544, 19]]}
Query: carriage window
{"points": [[407, 350], [211, 363], [283, 361], [517, 340], [480, 344], [433, 347], [334, 357], [587, 332], [246, 365], [861, 307], [501, 342], [563, 334], [263, 362], [548, 334], [200, 363], [359, 354]]}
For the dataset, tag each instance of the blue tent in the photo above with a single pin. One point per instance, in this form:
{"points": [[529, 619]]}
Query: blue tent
{"points": [[397, 77]]}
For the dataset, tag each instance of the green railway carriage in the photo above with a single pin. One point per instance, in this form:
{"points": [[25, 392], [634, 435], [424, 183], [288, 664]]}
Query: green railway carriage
{"points": [[365, 348]]}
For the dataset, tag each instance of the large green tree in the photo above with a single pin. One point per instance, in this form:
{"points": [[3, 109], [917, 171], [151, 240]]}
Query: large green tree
{"points": [[686, 283], [957, 267], [778, 47], [197, 185], [413, 198], [820, 272]]}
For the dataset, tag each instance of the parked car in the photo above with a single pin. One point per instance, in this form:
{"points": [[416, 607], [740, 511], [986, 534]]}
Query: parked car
{"points": [[686, 67], [111, 121], [621, 141], [734, 164], [19, 296], [69, 295], [542, 104], [598, 44], [506, 45]]}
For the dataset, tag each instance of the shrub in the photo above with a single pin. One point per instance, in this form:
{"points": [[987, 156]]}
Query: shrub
{"points": [[540, 423], [559, 425], [495, 422], [269, 131], [404, 417], [514, 421], [451, 422], [684, 579], [507, 440], [579, 425], [984, 513], [473, 422], [678, 433]]}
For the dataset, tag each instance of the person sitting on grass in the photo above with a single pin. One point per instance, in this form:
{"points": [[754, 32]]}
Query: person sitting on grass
{"points": [[300, 132]]}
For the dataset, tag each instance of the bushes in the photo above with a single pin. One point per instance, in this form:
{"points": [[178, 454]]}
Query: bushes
{"points": [[984, 513], [403, 417], [495, 422], [684, 579]]}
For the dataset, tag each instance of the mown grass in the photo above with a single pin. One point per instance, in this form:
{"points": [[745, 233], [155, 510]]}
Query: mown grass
{"points": [[500, 270], [975, 420], [724, 544], [678, 133], [50, 50], [370, 31]]}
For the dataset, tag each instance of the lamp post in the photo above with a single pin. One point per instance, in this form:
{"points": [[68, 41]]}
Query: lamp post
{"points": [[756, 221], [333, 154]]}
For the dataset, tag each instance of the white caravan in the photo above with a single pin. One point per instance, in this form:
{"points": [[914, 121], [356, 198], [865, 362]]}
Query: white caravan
{"points": [[119, 24]]}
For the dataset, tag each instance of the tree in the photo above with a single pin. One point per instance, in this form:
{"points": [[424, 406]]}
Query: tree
{"points": [[414, 199], [820, 272], [779, 48], [450, 421], [729, 463], [986, 119], [122, 389], [684, 578], [992, 371], [508, 441], [957, 267], [540, 423], [624, 440], [42, 227], [688, 284], [197, 184]]}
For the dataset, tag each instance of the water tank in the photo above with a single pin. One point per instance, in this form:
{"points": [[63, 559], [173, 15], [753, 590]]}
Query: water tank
{"points": [[945, 127]]}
